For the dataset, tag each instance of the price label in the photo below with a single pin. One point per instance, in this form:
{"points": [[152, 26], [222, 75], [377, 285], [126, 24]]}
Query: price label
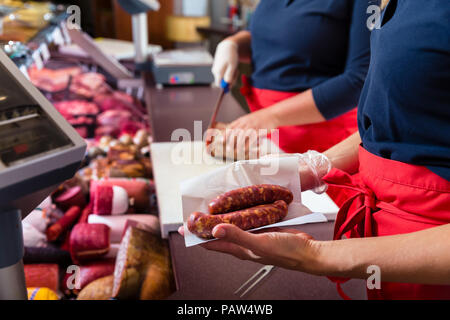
{"points": [[44, 52], [65, 33], [58, 38], [38, 60]]}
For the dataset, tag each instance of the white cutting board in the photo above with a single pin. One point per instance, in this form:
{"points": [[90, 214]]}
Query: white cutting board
{"points": [[169, 169]]}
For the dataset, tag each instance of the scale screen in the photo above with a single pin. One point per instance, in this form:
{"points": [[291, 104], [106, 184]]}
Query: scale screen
{"points": [[26, 131]]}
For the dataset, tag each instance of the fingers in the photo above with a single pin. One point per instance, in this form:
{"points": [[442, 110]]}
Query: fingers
{"points": [[230, 74], [218, 70], [233, 234], [230, 248]]}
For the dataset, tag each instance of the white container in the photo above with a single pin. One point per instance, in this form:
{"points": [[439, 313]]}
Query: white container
{"points": [[195, 8]]}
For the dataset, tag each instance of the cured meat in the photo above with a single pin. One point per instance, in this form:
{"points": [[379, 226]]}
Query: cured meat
{"points": [[46, 255], [248, 197], [109, 200], [42, 275], [138, 190], [118, 223], [158, 283], [99, 289], [87, 211], [202, 224], [89, 241], [63, 224], [88, 273], [71, 197], [137, 251]]}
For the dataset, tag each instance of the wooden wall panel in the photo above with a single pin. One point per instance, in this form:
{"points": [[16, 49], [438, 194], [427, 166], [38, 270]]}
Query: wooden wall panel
{"points": [[156, 23]]}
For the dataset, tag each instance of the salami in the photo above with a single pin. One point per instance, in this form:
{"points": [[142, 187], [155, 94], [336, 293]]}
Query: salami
{"points": [[247, 197], [202, 224], [63, 224]]}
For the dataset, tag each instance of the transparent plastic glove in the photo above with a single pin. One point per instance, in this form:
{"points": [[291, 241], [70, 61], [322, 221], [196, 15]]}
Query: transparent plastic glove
{"points": [[226, 61], [318, 166], [313, 167]]}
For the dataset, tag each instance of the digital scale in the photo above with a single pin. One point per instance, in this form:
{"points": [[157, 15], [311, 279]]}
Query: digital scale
{"points": [[38, 151], [183, 67]]}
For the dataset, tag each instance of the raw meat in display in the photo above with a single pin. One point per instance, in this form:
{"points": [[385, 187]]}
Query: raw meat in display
{"points": [[52, 80], [113, 118], [72, 108], [89, 84], [111, 131]]}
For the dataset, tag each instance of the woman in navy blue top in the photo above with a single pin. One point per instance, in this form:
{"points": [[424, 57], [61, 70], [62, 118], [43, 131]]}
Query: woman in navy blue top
{"points": [[309, 59], [399, 204]]}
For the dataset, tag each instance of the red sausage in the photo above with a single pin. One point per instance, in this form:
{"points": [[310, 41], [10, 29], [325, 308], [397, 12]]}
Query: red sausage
{"points": [[202, 224], [249, 197]]}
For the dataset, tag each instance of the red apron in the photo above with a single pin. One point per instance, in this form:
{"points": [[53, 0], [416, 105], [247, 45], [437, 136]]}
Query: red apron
{"points": [[300, 139], [391, 197]]}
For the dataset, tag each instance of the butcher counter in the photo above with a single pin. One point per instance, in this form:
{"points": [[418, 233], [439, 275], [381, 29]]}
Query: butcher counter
{"points": [[199, 273]]}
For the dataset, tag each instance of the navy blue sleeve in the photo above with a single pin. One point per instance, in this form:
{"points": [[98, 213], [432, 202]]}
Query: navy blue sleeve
{"points": [[341, 93]]}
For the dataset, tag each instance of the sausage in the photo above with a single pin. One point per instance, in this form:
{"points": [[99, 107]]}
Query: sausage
{"points": [[249, 197], [202, 224]]}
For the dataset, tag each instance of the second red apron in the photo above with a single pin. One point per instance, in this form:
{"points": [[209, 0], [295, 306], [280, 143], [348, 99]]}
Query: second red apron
{"points": [[391, 197], [300, 139]]}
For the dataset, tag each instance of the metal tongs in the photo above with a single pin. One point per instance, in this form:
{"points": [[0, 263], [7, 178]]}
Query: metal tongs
{"points": [[254, 280]]}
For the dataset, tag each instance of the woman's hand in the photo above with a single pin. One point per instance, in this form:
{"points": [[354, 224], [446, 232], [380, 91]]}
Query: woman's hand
{"points": [[261, 119], [286, 248], [226, 61]]}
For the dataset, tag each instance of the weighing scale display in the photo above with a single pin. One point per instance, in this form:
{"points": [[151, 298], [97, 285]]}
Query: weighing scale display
{"points": [[26, 130]]}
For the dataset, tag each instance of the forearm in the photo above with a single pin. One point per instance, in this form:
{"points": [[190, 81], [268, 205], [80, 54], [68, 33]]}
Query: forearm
{"points": [[297, 110], [419, 257], [243, 41], [344, 155]]}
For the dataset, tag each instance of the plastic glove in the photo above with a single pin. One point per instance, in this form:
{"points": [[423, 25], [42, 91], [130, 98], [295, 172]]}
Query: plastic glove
{"points": [[226, 61], [318, 166], [313, 166]]}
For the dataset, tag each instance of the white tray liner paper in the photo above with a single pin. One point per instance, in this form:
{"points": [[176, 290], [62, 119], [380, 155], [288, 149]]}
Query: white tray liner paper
{"points": [[198, 192]]}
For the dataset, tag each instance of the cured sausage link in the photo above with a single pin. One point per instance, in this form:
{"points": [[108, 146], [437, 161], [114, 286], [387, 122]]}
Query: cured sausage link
{"points": [[249, 197], [202, 224]]}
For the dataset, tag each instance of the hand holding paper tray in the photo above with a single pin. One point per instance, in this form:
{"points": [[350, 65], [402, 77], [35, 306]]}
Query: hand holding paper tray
{"points": [[198, 192]]}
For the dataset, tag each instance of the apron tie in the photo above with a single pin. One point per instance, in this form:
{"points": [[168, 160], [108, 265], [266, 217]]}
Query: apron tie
{"points": [[357, 210]]}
